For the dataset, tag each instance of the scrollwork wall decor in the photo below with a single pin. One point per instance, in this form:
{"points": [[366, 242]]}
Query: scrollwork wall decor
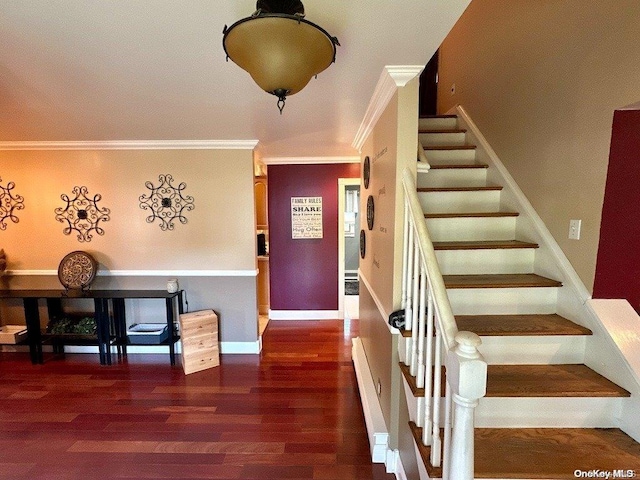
{"points": [[166, 202], [9, 204], [82, 214]]}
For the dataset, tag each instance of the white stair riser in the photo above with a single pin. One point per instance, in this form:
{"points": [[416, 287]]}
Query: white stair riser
{"points": [[538, 349], [553, 412], [499, 301], [450, 157], [489, 261], [471, 228], [442, 138], [465, 201], [445, 123], [455, 177]]}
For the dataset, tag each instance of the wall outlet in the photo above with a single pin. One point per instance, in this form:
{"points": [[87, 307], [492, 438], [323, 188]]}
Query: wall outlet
{"points": [[574, 229]]}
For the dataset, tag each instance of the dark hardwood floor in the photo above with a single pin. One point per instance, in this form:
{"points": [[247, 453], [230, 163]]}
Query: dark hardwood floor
{"points": [[292, 412]]}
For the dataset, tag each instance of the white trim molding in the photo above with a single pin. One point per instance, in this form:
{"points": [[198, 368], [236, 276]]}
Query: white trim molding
{"points": [[304, 314], [241, 347], [145, 273], [309, 160], [133, 145], [374, 420], [392, 78], [383, 312]]}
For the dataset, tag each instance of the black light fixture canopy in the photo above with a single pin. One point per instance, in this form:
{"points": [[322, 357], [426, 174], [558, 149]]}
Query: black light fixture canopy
{"points": [[279, 48]]}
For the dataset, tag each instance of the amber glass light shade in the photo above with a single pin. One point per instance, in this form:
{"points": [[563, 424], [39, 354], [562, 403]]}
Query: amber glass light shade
{"points": [[281, 52]]}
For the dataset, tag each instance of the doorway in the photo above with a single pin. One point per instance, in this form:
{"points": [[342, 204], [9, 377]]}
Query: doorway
{"points": [[348, 246]]}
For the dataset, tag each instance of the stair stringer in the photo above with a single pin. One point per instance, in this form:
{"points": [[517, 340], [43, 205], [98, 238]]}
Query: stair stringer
{"points": [[602, 353]]}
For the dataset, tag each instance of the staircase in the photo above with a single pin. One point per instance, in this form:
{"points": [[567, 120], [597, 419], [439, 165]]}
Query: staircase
{"points": [[545, 413]]}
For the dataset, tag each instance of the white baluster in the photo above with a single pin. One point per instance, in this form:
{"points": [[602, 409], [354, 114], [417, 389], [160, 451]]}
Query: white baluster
{"points": [[436, 442], [408, 309], [422, 305], [467, 372], [428, 397], [416, 309], [446, 449]]}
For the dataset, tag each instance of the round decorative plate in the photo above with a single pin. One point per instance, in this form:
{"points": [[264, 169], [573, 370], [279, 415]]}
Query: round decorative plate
{"points": [[363, 243], [77, 270], [370, 212], [366, 171]]}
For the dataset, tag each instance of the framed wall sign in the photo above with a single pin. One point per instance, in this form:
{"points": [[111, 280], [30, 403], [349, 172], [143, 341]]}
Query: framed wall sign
{"points": [[363, 243], [306, 217]]}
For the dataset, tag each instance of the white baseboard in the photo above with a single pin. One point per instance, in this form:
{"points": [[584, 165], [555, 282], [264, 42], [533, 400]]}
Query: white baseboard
{"points": [[225, 347], [305, 315], [241, 347], [374, 420]]}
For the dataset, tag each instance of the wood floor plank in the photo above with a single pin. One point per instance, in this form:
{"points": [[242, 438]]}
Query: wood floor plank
{"points": [[292, 412]]}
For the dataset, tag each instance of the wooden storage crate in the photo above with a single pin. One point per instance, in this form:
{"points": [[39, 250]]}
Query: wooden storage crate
{"points": [[199, 337], [12, 334]]}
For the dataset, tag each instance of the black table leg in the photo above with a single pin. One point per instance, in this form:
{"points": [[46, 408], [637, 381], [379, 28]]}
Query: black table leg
{"points": [[170, 315], [102, 325], [32, 317], [120, 325]]}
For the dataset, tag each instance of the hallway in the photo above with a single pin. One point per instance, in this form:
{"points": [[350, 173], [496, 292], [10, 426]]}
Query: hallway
{"points": [[293, 412]]}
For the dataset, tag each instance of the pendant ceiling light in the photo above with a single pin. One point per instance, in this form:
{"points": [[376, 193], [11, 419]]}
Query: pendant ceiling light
{"points": [[279, 48]]}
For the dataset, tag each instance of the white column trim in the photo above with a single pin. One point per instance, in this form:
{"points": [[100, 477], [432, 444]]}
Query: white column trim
{"points": [[391, 78]]}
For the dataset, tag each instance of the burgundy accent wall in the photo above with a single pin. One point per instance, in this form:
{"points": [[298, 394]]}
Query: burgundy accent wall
{"points": [[304, 272], [618, 262]]}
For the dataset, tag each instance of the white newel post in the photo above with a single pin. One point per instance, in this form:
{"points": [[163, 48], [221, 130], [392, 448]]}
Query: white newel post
{"points": [[467, 375]]}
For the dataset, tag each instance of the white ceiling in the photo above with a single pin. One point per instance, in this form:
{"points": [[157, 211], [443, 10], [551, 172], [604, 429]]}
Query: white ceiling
{"points": [[105, 70]]}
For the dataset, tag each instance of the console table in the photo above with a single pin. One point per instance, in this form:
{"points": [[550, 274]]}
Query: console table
{"points": [[103, 300]]}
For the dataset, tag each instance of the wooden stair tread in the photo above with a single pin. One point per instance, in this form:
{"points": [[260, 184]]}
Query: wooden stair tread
{"points": [[483, 245], [425, 451], [470, 214], [535, 381], [566, 380], [449, 147], [443, 130], [458, 166], [552, 453], [461, 189], [508, 280], [519, 325]]}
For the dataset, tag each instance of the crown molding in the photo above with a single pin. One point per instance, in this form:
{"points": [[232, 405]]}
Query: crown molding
{"points": [[133, 145], [309, 160], [391, 78]]}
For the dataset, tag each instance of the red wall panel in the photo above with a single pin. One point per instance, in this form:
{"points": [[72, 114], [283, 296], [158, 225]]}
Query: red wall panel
{"points": [[618, 263], [304, 272]]}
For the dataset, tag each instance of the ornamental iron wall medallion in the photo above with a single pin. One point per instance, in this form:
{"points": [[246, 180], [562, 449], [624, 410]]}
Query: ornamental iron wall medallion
{"points": [[9, 203], [166, 202], [370, 212], [82, 214], [366, 171]]}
